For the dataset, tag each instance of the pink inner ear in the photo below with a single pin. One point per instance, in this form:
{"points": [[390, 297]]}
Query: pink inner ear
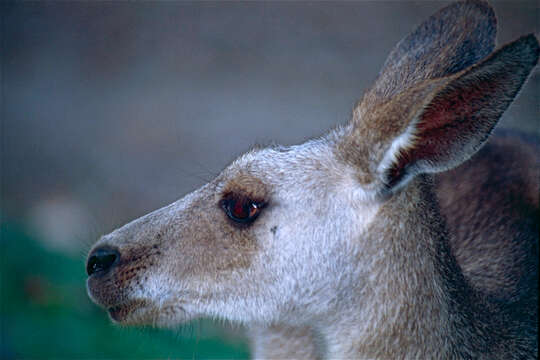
{"points": [[457, 104], [453, 118], [460, 117]]}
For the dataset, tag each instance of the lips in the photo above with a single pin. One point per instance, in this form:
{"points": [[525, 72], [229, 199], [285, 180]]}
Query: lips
{"points": [[122, 312], [119, 312]]}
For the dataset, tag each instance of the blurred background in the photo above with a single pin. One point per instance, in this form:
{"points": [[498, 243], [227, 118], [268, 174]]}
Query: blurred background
{"points": [[110, 110]]}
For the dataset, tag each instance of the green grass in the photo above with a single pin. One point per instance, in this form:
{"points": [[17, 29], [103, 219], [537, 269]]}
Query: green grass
{"points": [[45, 313]]}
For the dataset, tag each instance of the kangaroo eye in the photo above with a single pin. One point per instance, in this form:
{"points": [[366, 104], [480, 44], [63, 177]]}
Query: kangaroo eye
{"points": [[242, 209]]}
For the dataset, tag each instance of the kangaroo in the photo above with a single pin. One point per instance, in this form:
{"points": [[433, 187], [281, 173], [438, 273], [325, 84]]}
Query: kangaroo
{"points": [[396, 235], [501, 264]]}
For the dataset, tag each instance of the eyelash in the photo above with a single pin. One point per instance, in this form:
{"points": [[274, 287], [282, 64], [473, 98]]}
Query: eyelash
{"points": [[242, 210]]}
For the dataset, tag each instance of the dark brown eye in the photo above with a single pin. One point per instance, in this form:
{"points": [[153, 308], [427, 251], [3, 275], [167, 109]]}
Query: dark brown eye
{"points": [[242, 210]]}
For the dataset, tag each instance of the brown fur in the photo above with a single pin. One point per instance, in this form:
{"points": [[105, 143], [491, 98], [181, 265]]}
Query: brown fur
{"points": [[490, 204], [362, 247], [460, 43], [375, 128], [232, 247], [247, 186]]}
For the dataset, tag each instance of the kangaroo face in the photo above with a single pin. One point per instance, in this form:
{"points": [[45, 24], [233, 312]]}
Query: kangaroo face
{"points": [[255, 244]]}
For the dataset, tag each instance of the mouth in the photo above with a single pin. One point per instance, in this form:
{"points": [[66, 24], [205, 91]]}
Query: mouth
{"points": [[122, 310], [124, 313]]}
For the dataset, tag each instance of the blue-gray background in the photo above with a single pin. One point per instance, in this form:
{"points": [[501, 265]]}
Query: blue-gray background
{"points": [[110, 110]]}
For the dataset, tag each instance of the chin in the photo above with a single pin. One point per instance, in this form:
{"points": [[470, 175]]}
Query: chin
{"points": [[143, 312], [134, 312]]}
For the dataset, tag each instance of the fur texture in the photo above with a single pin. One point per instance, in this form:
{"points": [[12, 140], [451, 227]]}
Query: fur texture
{"points": [[362, 249]]}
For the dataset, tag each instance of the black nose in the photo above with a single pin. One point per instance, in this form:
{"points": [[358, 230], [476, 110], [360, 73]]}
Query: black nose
{"points": [[101, 260]]}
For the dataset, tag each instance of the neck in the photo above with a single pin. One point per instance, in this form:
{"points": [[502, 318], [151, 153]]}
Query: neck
{"points": [[416, 302]]}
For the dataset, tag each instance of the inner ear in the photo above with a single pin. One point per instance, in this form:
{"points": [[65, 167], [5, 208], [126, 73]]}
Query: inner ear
{"points": [[459, 116]]}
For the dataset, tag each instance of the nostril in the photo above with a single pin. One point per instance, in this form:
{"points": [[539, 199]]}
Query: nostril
{"points": [[101, 260]]}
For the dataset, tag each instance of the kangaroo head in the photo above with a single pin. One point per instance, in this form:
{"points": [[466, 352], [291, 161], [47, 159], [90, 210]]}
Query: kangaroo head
{"points": [[242, 246], [289, 233]]}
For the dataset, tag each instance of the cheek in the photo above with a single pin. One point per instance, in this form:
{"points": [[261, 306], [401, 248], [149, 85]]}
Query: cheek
{"points": [[301, 245], [212, 248], [285, 252], [297, 235]]}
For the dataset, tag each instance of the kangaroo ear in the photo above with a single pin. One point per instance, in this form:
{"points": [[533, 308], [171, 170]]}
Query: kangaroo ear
{"points": [[457, 118], [451, 40]]}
